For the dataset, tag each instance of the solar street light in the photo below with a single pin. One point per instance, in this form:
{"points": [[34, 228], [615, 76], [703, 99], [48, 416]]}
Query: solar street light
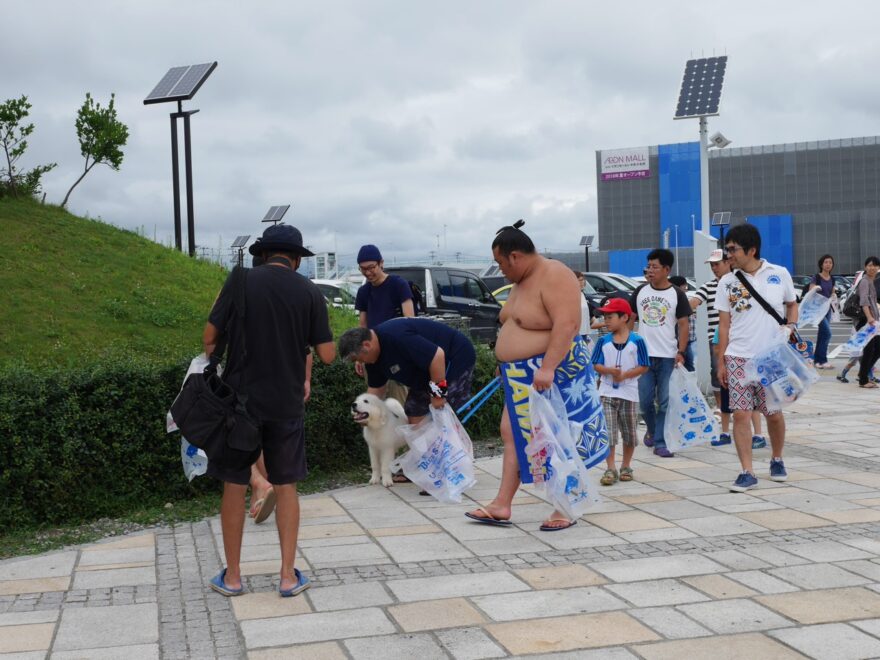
{"points": [[238, 245], [586, 242], [275, 213], [180, 84]]}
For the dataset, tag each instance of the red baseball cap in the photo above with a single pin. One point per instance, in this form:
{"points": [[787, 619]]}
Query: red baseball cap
{"points": [[617, 306]]}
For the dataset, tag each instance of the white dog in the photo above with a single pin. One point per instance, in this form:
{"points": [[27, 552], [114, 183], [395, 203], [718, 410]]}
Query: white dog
{"points": [[381, 420]]}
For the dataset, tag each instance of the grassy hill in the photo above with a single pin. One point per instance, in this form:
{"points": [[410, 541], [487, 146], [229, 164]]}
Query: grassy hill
{"points": [[75, 290]]}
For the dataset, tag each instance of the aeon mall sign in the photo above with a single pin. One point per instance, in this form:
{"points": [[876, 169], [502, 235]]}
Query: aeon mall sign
{"points": [[625, 164]]}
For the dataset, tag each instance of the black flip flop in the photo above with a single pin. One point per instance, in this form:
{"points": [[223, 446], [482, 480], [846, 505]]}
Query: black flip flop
{"points": [[547, 528], [489, 519]]}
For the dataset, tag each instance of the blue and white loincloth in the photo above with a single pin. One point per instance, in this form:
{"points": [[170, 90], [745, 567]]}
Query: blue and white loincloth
{"points": [[576, 381]]}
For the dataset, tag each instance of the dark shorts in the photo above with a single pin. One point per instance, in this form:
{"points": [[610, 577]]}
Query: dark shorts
{"points": [[284, 452], [458, 393]]}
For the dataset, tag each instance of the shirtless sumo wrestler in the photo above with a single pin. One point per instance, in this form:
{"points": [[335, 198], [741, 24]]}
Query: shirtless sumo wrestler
{"points": [[542, 315]]}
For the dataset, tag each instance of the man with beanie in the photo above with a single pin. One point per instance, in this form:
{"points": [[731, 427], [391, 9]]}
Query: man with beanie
{"points": [[383, 297]]}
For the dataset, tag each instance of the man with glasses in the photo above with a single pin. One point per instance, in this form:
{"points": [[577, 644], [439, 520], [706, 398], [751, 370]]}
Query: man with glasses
{"points": [[744, 329], [383, 297]]}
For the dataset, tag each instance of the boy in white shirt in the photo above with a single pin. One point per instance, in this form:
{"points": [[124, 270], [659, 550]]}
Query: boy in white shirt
{"points": [[745, 328], [620, 357]]}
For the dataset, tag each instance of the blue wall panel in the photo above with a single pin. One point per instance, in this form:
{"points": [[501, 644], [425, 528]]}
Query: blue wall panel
{"points": [[628, 262], [777, 245], [678, 173]]}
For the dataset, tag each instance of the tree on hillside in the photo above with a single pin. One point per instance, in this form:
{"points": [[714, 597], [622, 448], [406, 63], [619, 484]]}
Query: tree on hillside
{"points": [[13, 138], [101, 137]]}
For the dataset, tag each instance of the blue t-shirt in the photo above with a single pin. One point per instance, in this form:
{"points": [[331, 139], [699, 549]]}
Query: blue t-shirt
{"points": [[384, 302], [825, 286], [407, 347]]}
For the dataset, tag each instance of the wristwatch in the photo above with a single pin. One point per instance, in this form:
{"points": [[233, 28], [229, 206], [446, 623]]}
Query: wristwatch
{"points": [[438, 390]]}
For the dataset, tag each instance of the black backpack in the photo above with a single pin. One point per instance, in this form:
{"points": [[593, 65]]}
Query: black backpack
{"points": [[851, 306]]}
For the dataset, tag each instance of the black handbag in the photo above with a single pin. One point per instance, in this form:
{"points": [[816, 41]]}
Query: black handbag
{"points": [[210, 414], [797, 343]]}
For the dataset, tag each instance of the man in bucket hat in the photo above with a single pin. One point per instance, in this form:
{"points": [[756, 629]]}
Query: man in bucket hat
{"points": [[285, 314]]}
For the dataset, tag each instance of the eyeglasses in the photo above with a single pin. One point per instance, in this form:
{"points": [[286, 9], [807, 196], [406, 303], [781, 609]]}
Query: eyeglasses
{"points": [[369, 268], [732, 249]]}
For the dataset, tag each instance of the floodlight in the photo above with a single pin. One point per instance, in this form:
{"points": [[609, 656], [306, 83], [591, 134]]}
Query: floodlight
{"points": [[719, 141]]}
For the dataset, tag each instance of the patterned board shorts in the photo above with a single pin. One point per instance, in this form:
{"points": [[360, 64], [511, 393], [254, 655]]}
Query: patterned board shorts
{"points": [[621, 415], [743, 395]]}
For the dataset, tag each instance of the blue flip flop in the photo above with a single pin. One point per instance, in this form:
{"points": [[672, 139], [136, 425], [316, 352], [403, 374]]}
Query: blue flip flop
{"points": [[302, 583], [218, 584]]}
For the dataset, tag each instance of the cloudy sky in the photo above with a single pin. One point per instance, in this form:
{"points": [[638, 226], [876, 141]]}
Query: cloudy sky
{"points": [[418, 125]]}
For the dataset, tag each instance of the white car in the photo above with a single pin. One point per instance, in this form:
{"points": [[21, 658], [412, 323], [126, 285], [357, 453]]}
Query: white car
{"points": [[338, 293]]}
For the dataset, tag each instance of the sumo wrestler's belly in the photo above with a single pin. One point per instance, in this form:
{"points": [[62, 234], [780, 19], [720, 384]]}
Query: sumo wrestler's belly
{"points": [[516, 343]]}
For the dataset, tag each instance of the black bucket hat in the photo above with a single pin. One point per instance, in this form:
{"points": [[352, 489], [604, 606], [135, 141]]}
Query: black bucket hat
{"points": [[280, 237]]}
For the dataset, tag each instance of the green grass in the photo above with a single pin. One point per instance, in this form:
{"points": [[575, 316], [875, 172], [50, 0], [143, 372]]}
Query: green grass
{"points": [[31, 541]]}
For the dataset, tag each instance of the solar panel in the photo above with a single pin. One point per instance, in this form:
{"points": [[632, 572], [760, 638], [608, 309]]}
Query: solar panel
{"points": [[180, 83], [241, 241], [720, 218], [275, 213], [700, 94], [587, 240]]}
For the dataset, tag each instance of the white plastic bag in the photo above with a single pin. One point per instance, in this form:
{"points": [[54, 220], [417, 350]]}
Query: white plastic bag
{"points": [[813, 308], [689, 419], [440, 456], [194, 460], [783, 373], [566, 479], [859, 340]]}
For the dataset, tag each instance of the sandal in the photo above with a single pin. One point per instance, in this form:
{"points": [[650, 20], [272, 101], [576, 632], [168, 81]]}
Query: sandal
{"points": [[869, 386], [609, 478], [626, 474]]}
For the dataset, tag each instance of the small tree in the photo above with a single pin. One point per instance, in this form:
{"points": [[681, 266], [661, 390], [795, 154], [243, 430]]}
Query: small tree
{"points": [[101, 137], [13, 138]]}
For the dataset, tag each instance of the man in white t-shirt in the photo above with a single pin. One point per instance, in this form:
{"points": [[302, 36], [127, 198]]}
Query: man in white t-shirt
{"points": [[660, 309], [745, 328]]}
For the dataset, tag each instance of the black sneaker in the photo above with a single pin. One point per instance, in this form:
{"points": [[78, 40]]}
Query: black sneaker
{"points": [[842, 378]]}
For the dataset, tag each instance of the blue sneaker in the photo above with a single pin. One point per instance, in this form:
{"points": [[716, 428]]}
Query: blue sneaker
{"points": [[777, 470], [648, 440], [745, 481], [758, 442], [723, 439], [663, 452]]}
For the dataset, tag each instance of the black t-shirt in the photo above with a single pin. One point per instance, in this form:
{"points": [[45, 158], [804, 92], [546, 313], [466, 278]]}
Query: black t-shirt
{"points": [[285, 314], [408, 345]]}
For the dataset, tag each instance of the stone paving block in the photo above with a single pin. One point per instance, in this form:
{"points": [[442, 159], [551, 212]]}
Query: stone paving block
{"points": [[24, 655], [677, 509], [726, 647], [651, 568], [451, 586], [348, 596], [317, 627], [852, 516], [518, 545], [397, 514], [346, 555], [420, 646], [264, 605], [773, 555], [23, 618], [400, 531], [329, 531], [128, 541], [320, 651], [579, 536], [720, 525], [863, 567], [423, 547], [329, 541], [655, 475], [106, 567], [133, 652], [114, 625], [27, 637], [547, 603], [762, 582], [436, 614], [59, 564], [654, 496], [783, 519], [825, 606], [868, 545], [736, 560], [469, 644], [557, 577], [734, 616], [718, 586], [832, 486], [831, 641], [826, 551], [567, 633], [607, 653], [669, 622], [808, 502], [117, 556], [118, 577], [34, 586], [650, 535], [465, 529], [651, 593], [818, 576], [627, 521]]}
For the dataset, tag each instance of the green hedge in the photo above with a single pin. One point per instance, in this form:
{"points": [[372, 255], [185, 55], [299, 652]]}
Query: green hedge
{"points": [[89, 442]]}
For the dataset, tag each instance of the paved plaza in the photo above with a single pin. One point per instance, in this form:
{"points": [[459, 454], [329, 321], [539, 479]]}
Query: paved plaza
{"points": [[671, 565]]}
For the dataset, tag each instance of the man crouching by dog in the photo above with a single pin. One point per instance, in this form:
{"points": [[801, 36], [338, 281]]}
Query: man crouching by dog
{"points": [[435, 361], [285, 314], [539, 345]]}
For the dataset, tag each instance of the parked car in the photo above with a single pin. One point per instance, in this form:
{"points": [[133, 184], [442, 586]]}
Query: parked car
{"points": [[502, 294], [452, 290], [337, 292], [606, 283]]}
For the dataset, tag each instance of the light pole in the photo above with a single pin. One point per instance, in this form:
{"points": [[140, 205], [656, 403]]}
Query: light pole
{"points": [[586, 242]]}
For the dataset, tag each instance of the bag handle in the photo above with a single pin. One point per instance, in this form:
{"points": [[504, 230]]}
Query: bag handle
{"points": [[795, 337]]}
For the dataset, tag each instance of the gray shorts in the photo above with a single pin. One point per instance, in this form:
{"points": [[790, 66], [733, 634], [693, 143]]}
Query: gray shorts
{"points": [[458, 392]]}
